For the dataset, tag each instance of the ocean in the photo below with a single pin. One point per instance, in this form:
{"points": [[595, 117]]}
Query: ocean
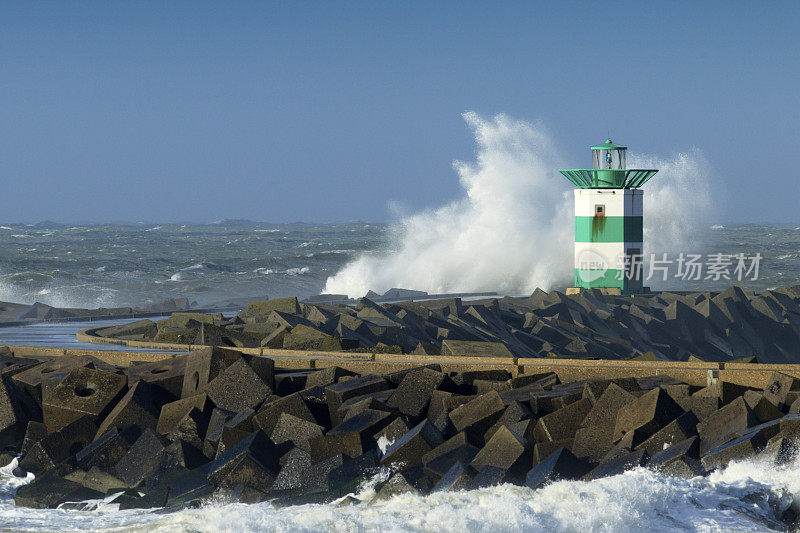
{"points": [[130, 264], [114, 265]]}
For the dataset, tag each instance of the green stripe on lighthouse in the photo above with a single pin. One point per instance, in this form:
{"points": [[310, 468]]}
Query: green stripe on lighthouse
{"points": [[591, 278], [608, 229]]}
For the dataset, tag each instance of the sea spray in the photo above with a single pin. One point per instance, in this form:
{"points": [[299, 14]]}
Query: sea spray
{"points": [[677, 208], [513, 231], [747, 495], [506, 234]]}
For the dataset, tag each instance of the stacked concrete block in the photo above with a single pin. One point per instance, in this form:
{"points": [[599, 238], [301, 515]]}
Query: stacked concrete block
{"points": [[227, 428]]}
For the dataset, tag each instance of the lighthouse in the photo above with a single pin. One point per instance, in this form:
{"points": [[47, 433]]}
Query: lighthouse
{"points": [[608, 221]]}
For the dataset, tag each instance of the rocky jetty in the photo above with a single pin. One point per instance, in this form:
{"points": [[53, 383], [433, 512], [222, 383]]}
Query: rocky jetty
{"points": [[16, 313], [723, 326], [224, 424]]}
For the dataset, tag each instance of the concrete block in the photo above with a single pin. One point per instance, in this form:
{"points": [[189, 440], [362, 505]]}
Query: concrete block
{"points": [[316, 478], [268, 415], [57, 368], [356, 405], [142, 458], [167, 374], [171, 413], [679, 460], [413, 394], [107, 450], [618, 465], [82, 392], [648, 414], [191, 428], [95, 479], [465, 380], [544, 379], [216, 423], [488, 476], [505, 450], [456, 348], [344, 390], [593, 389], [779, 451], [293, 464], [253, 462], [455, 442], [593, 442], [514, 413], [318, 406], [51, 491], [141, 406], [352, 473], [141, 329], [483, 386], [563, 398], [560, 464], [203, 365], [58, 446], [17, 408], [478, 415], [187, 489], [409, 449], [394, 486], [458, 477], [352, 437], [275, 338], [290, 382], [719, 426], [563, 423], [778, 388], [605, 408], [679, 430], [436, 467], [742, 447], [543, 449], [295, 430], [763, 408], [327, 376], [238, 387], [392, 432], [283, 305], [34, 432], [702, 406], [234, 429]]}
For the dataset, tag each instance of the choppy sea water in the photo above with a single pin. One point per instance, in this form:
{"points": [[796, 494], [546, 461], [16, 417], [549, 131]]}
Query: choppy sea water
{"points": [[112, 265], [747, 496], [117, 265]]}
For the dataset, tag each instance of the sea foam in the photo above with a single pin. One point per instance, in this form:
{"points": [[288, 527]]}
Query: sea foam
{"points": [[747, 496]]}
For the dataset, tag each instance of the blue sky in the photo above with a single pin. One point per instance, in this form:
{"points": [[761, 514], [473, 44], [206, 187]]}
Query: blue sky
{"points": [[194, 111]]}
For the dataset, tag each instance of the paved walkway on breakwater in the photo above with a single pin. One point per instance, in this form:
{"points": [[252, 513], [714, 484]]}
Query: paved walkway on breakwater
{"points": [[696, 373]]}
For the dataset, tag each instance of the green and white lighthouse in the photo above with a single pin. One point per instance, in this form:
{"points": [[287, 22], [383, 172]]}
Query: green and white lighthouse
{"points": [[608, 220]]}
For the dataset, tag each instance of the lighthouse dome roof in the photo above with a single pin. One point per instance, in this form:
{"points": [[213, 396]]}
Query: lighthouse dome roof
{"points": [[609, 145]]}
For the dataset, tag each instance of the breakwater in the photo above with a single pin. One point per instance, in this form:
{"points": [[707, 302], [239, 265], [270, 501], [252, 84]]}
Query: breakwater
{"points": [[227, 425]]}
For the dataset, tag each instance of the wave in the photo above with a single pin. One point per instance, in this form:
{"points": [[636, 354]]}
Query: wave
{"points": [[296, 271], [512, 231], [747, 496]]}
